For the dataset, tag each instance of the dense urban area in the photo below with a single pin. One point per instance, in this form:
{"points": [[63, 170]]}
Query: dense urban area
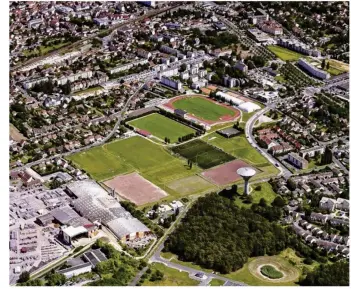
{"points": [[179, 143]]}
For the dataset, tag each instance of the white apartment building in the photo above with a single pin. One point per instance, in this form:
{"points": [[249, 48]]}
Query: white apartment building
{"points": [[169, 50], [298, 46], [175, 84], [127, 66], [74, 77], [30, 83], [313, 70]]}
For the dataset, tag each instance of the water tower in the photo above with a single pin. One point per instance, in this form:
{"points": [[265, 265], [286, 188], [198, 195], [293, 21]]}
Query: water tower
{"points": [[246, 173]]}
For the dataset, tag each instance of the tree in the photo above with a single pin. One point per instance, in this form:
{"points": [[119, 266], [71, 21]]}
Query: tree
{"points": [[323, 64], [291, 185], [327, 157], [274, 65], [23, 277], [278, 202], [55, 279], [336, 274], [262, 202]]}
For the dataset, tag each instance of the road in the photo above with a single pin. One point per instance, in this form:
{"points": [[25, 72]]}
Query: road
{"points": [[158, 259], [248, 132], [138, 276]]}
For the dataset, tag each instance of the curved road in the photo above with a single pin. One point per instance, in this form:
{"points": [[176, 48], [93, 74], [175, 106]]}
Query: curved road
{"points": [[248, 132], [157, 258]]}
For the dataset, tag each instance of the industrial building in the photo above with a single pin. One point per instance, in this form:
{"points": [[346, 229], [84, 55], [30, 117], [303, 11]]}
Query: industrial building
{"points": [[94, 203]]}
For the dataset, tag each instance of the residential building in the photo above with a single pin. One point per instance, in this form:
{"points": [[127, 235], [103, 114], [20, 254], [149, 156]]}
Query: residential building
{"points": [[313, 70], [175, 84], [311, 152], [271, 27], [298, 46], [298, 161], [240, 65], [327, 204]]}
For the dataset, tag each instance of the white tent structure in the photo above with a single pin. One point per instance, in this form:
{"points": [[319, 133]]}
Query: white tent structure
{"points": [[248, 107]]}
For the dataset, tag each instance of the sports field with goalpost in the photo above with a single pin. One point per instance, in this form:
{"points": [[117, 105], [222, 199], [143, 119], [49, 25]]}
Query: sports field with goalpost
{"points": [[162, 127]]}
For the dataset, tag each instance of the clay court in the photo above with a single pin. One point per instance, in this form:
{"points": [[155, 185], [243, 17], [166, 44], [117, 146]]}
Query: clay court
{"points": [[225, 174], [136, 189]]}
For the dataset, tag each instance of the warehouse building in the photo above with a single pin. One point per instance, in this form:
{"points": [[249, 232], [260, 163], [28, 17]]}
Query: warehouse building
{"points": [[94, 203]]}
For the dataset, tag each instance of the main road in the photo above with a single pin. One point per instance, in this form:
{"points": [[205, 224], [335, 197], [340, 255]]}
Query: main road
{"points": [[248, 131]]}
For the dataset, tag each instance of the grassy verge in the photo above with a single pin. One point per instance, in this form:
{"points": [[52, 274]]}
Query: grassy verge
{"points": [[284, 53], [216, 282], [171, 277]]}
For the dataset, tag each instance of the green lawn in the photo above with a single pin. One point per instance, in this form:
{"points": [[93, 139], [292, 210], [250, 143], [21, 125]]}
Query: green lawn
{"points": [[216, 282], [287, 258], [266, 192], [152, 161], [45, 49], [270, 272], [280, 79], [284, 53], [203, 108], [244, 274], [161, 127], [171, 277], [91, 89]]}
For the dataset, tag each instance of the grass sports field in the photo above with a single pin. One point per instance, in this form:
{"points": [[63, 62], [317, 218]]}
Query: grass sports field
{"points": [[285, 54], [237, 146], [203, 108], [240, 148], [161, 127], [152, 161], [203, 154]]}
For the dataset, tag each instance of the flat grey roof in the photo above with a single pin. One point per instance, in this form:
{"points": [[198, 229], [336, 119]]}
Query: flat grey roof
{"points": [[122, 227], [87, 264], [229, 131]]}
